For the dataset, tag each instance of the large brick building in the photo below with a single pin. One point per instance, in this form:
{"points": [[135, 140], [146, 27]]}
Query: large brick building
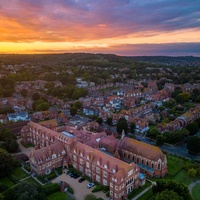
{"points": [[54, 149]]}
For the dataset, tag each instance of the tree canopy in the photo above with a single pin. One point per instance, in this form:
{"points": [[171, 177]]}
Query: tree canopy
{"points": [[122, 125], [7, 163], [193, 145]]}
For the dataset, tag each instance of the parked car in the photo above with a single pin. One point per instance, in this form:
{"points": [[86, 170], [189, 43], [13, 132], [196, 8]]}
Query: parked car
{"points": [[81, 180], [76, 175], [71, 174], [90, 185]]}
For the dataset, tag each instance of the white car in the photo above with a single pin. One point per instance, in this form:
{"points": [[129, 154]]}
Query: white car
{"points": [[90, 185]]}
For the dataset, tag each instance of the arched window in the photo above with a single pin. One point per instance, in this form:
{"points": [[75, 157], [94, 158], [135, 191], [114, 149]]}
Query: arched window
{"points": [[158, 165]]}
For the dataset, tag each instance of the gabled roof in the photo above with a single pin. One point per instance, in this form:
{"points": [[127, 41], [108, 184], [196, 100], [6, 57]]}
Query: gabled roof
{"points": [[142, 149]]}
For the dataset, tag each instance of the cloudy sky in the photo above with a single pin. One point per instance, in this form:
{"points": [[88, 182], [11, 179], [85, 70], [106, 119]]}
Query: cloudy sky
{"points": [[124, 27]]}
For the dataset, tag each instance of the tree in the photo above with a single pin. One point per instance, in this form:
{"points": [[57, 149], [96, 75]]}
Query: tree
{"points": [[132, 127], [181, 189], [6, 163], [122, 125], [109, 120], [35, 97], [23, 92], [99, 120], [192, 128], [77, 104], [168, 195], [160, 139], [42, 106], [197, 99], [90, 197], [9, 141], [152, 132], [192, 172], [183, 97], [73, 110], [193, 145], [198, 122], [26, 191]]}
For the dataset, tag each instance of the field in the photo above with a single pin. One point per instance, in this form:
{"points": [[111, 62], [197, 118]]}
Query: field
{"points": [[196, 192], [59, 196]]}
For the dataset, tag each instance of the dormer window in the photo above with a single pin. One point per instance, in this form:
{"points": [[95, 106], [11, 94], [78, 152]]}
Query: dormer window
{"points": [[114, 170], [98, 163], [105, 166]]}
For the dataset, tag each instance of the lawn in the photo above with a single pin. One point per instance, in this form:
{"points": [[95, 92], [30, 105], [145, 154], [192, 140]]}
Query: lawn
{"points": [[59, 196], [147, 195], [183, 177], [18, 173], [135, 192], [174, 165], [31, 180], [195, 192], [6, 181]]}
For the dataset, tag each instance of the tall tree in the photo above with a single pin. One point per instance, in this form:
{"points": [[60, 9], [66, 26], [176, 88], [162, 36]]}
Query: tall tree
{"points": [[192, 128], [193, 145], [122, 125], [6, 163]]}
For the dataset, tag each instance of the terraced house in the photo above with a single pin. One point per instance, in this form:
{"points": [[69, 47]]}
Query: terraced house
{"points": [[55, 149]]}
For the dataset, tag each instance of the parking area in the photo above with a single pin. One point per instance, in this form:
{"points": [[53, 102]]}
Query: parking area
{"points": [[80, 189]]}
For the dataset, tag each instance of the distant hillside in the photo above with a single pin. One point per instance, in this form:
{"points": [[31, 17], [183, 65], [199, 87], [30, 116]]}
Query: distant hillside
{"points": [[102, 60]]}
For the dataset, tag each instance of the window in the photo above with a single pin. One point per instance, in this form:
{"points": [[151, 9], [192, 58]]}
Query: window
{"points": [[142, 161], [137, 160], [129, 156], [87, 164], [152, 165], [116, 187], [105, 174], [147, 163], [97, 170], [111, 184], [158, 165]]}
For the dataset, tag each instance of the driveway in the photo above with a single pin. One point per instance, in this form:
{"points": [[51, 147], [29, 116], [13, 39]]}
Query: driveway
{"points": [[80, 189]]}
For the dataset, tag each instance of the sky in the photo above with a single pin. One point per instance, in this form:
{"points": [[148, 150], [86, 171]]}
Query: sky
{"points": [[122, 27]]}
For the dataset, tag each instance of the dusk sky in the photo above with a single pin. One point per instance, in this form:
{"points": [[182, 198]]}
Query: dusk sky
{"points": [[123, 27]]}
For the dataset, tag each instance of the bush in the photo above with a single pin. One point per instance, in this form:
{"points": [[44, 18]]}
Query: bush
{"points": [[3, 187], [70, 190], [97, 188], [50, 189], [108, 194], [105, 188]]}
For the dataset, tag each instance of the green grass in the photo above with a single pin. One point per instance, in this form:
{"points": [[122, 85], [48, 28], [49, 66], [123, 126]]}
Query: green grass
{"points": [[31, 180], [183, 177], [196, 192], [135, 192], [6, 181], [147, 195], [174, 165], [18, 173], [59, 196]]}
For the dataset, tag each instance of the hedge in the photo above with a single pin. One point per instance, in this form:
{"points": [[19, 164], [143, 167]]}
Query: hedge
{"points": [[50, 189], [97, 188], [70, 190]]}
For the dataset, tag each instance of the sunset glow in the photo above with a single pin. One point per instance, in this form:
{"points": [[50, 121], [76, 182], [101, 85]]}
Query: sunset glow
{"points": [[116, 26]]}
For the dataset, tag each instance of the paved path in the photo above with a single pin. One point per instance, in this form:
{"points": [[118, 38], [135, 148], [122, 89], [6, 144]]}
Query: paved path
{"points": [[144, 191], [190, 187]]}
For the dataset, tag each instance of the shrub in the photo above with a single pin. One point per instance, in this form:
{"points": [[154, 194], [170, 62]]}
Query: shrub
{"points": [[3, 187], [97, 188], [70, 190], [50, 189], [108, 194], [105, 188]]}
